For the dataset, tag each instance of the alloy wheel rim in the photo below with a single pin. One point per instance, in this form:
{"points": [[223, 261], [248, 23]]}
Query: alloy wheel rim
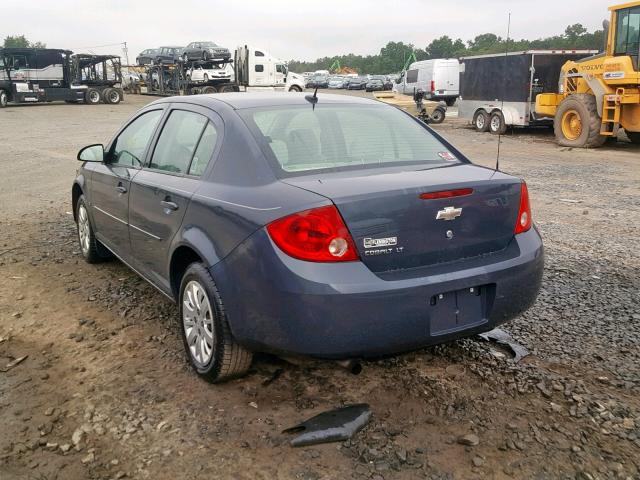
{"points": [[197, 321], [83, 229], [571, 125]]}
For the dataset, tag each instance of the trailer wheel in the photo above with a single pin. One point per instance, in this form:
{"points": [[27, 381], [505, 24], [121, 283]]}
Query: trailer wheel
{"points": [[634, 137], [209, 89], [577, 123], [4, 99], [226, 89], [93, 96], [437, 116], [112, 96], [497, 125], [481, 121]]}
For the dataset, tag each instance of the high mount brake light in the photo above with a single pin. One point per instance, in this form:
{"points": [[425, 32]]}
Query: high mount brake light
{"points": [[316, 235], [523, 223], [461, 192]]}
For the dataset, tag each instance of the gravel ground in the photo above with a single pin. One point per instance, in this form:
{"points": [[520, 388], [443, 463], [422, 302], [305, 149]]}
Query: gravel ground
{"points": [[105, 391]]}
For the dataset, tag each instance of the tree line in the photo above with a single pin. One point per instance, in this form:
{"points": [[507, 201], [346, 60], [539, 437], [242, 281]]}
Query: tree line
{"points": [[394, 55], [20, 41]]}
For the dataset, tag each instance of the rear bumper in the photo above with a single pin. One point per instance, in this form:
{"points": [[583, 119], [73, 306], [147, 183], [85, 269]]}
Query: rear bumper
{"points": [[283, 305]]}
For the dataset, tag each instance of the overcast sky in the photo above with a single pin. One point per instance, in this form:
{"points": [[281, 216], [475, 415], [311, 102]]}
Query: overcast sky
{"points": [[301, 30]]}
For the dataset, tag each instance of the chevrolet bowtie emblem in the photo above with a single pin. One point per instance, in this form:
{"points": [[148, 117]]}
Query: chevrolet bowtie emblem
{"points": [[449, 213]]}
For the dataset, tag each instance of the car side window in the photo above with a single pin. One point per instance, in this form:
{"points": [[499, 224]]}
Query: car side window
{"points": [[130, 145], [178, 141], [204, 152]]}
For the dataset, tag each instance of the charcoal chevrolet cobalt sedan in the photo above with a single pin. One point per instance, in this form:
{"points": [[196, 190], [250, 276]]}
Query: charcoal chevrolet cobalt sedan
{"points": [[335, 227]]}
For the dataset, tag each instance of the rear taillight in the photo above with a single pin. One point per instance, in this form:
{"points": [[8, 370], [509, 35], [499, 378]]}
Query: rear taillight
{"points": [[316, 235], [523, 223], [433, 86]]}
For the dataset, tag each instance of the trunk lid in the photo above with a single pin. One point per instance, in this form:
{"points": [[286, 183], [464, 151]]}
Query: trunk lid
{"points": [[394, 229]]}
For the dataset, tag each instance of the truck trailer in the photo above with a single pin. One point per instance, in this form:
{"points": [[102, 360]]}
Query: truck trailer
{"points": [[499, 90], [32, 75]]}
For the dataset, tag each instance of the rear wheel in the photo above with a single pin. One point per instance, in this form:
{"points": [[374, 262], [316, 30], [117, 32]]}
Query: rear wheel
{"points": [[206, 335], [4, 99], [634, 137], [577, 123], [226, 89], [112, 96], [497, 125], [93, 96], [209, 89], [481, 121]]}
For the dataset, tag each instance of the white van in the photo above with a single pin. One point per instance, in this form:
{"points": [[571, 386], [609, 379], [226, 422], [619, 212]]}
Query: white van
{"points": [[439, 79]]}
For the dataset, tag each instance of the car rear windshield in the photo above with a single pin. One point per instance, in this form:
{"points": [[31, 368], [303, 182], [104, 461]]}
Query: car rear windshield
{"points": [[333, 137]]}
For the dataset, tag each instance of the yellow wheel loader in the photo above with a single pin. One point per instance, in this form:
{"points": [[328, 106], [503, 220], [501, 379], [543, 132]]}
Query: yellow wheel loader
{"points": [[600, 94]]}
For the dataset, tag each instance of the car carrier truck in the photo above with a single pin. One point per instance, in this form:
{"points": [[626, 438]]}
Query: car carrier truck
{"points": [[32, 75], [253, 69], [500, 90]]}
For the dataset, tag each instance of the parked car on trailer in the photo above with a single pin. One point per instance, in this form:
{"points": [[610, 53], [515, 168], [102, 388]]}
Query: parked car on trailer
{"points": [[205, 71], [439, 79], [354, 229], [204, 51], [168, 54], [146, 56], [498, 91]]}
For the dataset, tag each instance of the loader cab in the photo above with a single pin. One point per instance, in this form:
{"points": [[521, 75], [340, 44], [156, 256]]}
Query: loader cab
{"points": [[627, 34]]}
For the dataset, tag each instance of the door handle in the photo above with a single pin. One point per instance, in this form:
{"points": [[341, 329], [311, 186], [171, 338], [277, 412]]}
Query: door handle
{"points": [[121, 189], [169, 205]]}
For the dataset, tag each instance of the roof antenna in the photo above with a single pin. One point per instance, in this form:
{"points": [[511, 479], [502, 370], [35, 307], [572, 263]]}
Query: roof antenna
{"points": [[504, 88], [312, 99]]}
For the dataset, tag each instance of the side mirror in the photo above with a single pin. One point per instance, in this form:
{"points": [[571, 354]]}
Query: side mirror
{"points": [[92, 153]]}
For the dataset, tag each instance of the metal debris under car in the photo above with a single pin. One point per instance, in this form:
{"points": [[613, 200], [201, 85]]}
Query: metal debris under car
{"points": [[503, 338], [332, 426]]}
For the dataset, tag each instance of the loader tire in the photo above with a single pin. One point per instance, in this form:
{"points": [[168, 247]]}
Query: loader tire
{"points": [[634, 137], [577, 123]]}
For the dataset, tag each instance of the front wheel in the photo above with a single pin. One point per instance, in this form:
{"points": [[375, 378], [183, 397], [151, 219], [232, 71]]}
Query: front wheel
{"points": [[205, 78], [295, 88], [205, 55], [206, 335], [481, 121], [92, 250], [4, 99]]}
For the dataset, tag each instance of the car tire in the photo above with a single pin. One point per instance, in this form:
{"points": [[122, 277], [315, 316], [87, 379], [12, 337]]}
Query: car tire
{"points": [[205, 78], [205, 55], [4, 99], [481, 121], [92, 250], [438, 116], [634, 137], [295, 88], [93, 96], [577, 123], [208, 342], [497, 125], [450, 102]]}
